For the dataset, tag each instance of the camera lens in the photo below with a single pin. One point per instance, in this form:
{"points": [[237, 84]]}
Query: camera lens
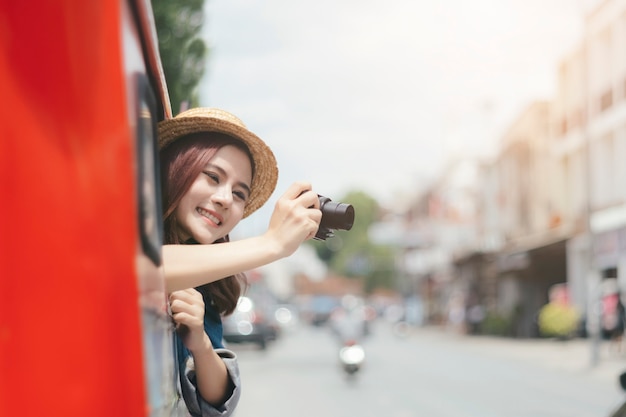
{"points": [[336, 216]]}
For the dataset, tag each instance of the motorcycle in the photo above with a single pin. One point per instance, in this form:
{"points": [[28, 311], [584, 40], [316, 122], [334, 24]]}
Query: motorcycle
{"points": [[351, 357], [349, 325]]}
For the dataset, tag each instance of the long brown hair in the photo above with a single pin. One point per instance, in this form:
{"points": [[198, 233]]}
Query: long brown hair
{"points": [[181, 163]]}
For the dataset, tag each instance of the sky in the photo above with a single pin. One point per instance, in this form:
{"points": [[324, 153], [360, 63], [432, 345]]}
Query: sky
{"points": [[380, 96]]}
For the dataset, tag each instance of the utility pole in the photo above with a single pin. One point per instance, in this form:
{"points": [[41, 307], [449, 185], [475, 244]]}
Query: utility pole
{"points": [[593, 311]]}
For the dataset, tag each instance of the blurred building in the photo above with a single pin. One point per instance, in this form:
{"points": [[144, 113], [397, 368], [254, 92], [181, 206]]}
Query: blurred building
{"points": [[533, 256], [443, 219], [549, 208], [590, 145]]}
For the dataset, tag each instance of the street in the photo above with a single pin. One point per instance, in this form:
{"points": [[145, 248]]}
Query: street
{"points": [[429, 372]]}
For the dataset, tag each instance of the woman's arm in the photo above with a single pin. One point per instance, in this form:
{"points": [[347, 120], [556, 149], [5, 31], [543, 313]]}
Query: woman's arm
{"points": [[211, 374], [295, 219], [196, 405], [212, 378]]}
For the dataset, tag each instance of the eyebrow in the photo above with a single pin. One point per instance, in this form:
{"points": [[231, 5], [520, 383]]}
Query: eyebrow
{"points": [[222, 172]]}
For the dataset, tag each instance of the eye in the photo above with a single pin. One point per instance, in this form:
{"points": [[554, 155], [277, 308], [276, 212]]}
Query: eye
{"points": [[240, 195], [213, 176]]}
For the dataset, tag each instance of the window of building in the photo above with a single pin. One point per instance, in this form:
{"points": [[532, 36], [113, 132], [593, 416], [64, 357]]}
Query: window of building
{"points": [[606, 100]]}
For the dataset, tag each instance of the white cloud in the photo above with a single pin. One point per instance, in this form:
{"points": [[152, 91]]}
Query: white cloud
{"points": [[375, 95]]}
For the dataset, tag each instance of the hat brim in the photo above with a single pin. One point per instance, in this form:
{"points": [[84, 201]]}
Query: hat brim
{"points": [[265, 167]]}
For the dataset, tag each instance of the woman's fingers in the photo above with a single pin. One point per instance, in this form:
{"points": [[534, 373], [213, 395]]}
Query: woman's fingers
{"points": [[184, 318], [309, 200], [187, 307], [302, 192], [189, 295], [296, 189]]}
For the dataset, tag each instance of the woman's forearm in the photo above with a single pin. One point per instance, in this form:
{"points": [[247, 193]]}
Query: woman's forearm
{"points": [[188, 266], [211, 375]]}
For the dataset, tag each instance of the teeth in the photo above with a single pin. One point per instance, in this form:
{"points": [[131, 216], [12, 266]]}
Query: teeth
{"points": [[208, 215]]}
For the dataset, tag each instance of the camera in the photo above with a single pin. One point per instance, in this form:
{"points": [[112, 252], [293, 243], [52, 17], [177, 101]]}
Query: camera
{"points": [[335, 216]]}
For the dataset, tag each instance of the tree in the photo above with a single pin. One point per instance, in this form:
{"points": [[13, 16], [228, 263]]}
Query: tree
{"points": [[183, 52], [351, 253]]}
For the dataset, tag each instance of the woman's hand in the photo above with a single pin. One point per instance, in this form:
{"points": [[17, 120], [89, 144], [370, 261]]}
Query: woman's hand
{"points": [[212, 377], [296, 218], [188, 312]]}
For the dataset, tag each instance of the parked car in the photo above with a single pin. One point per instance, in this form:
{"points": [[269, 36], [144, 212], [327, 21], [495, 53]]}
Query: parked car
{"points": [[248, 324]]}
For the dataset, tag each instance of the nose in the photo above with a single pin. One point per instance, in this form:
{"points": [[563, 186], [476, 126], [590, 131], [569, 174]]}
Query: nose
{"points": [[223, 196]]}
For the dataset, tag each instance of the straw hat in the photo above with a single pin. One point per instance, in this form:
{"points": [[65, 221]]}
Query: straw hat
{"points": [[204, 119]]}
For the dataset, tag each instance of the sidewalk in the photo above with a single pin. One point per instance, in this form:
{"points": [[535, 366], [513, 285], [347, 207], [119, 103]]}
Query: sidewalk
{"points": [[574, 355]]}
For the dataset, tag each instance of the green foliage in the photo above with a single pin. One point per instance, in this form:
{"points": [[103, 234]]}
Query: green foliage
{"points": [[352, 254], [183, 52], [497, 325]]}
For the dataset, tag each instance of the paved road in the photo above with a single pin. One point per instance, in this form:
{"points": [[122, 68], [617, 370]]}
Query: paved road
{"points": [[428, 373]]}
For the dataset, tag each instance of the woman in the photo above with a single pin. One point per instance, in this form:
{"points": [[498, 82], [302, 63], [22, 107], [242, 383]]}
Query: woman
{"points": [[216, 172]]}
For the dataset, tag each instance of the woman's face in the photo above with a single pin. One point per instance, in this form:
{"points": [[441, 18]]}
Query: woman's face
{"points": [[215, 202]]}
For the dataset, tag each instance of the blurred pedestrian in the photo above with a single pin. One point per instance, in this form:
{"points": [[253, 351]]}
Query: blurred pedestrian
{"points": [[456, 313], [215, 172], [475, 317], [348, 320], [613, 321]]}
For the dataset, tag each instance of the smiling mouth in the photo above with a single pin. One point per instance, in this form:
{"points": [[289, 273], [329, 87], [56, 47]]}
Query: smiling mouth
{"points": [[209, 216]]}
